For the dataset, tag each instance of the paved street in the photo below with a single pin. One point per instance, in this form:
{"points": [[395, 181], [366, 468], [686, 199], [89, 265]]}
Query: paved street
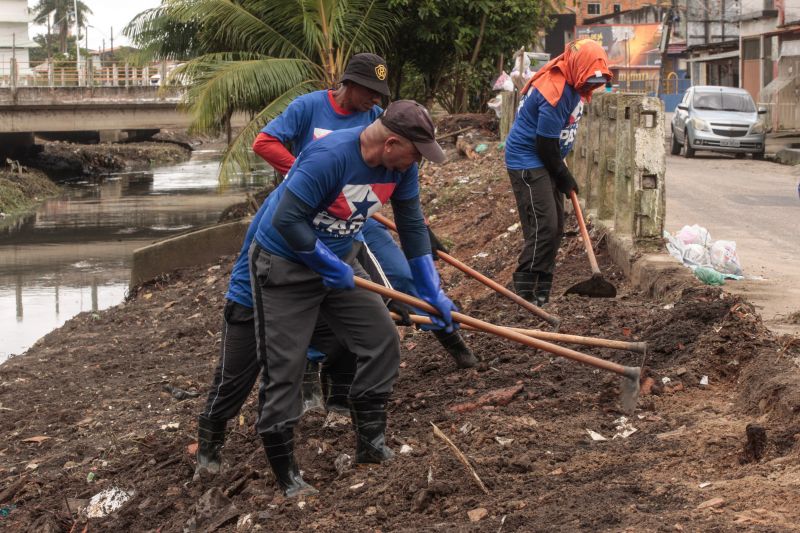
{"points": [[756, 204]]}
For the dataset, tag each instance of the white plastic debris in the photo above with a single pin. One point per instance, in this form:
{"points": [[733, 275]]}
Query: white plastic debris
{"points": [[624, 428], [107, 501], [704, 380], [342, 463], [665, 380], [513, 227], [595, 435], [245, 521], [357, 486], [480, 254], [503, 441], [405, 449], [704, 484], [172, 426], [301, 504]]}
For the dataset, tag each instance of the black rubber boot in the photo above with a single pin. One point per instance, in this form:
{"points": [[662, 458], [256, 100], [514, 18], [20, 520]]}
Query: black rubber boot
{"points": [[543, 287], [525, 285], [279, 447], [210, 440], [335, 391], [369, 421], [312, 390], [455, 346]]}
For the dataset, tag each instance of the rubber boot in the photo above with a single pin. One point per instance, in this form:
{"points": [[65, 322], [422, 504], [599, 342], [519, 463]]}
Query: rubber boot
{"points": [[543, 287], [312, 391], [455, 346], [525, 285], [335, 391], [279, 447], [369, 421], [210, 440]]}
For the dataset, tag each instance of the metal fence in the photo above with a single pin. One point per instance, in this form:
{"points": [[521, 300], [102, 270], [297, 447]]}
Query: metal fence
{"points": [[91, 72]]}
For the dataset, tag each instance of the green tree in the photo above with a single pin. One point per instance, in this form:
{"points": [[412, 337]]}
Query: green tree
{"points": [[454, 45], [61, 14], [256, 56]]}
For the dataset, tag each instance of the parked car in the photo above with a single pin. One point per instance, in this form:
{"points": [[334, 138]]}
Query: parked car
{"points": [[718, 119]]}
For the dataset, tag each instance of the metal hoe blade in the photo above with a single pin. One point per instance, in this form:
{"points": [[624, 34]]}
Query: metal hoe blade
{"points": [[629, 389], [594, 287]]}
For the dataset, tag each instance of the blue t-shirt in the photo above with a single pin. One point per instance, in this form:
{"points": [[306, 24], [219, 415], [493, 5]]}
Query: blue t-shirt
{"points": [[310, 117], [537, 117], [331, 177]]}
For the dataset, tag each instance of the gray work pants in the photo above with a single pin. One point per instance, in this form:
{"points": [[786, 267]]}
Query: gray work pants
{"points": [[289, 298], [541, 215]]}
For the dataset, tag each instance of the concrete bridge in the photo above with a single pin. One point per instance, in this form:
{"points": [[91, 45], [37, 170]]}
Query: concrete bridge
{"points": [[112, 112]]}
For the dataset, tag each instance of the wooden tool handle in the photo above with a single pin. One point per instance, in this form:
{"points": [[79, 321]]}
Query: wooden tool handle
{"points": [[496, 330], [587, 243], [639, 347], [519, 300]]}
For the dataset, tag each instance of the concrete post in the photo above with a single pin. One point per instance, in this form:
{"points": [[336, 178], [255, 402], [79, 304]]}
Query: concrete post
{"points": [[50, 74], [114, 75], [127, 76], [145, 76]]}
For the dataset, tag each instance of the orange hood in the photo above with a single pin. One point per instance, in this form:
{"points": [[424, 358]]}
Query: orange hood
{"points": [[581, 60]]}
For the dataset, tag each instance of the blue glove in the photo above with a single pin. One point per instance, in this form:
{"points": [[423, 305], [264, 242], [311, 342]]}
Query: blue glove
{"points": [[335, 273], [426, 282]]}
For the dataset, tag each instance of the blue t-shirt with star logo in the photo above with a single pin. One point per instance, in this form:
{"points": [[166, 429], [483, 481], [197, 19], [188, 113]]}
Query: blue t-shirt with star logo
{"points": [[331, 176], [536, 116]]}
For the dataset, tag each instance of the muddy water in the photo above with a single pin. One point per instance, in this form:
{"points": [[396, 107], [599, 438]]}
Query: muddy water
{"points": [[74, 253]]}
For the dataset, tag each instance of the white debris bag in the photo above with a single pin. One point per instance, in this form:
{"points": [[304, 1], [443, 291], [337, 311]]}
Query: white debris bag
{"points": [[107, 501], [694, 234], [724, 258]]}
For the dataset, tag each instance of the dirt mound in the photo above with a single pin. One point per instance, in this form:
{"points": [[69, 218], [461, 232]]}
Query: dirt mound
{"points": [[86, 410]]}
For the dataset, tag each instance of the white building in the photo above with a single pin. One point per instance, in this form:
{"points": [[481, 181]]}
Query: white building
{"points": [[14, 39]]}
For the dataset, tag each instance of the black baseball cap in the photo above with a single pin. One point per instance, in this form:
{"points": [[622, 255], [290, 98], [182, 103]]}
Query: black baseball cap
{"points": [[368, 70], [412, 121]]}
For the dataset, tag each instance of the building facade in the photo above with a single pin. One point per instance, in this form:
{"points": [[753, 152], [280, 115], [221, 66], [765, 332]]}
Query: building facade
{"points": [[14, 39], [586, 9]]}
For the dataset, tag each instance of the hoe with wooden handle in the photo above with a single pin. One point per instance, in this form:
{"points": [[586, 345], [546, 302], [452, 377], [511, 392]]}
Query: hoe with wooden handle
{"points": [[519, 300], [629, 391]]}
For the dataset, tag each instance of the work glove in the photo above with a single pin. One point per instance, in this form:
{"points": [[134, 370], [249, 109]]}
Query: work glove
{"points": [[436, 244], [427, 284], [565, 183], [401, 309], [336, 274]]}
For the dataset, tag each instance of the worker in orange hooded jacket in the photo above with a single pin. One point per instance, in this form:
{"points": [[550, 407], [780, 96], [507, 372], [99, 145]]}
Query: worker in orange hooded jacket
{"points": [[542, 135]]}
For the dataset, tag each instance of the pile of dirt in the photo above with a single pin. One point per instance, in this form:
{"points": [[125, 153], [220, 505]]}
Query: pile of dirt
{"points": [[86, 409], [67, 160], [21, 188]]}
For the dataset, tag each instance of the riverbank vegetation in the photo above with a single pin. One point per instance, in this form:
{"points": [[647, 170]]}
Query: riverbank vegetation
{"points": [[23, 188]]}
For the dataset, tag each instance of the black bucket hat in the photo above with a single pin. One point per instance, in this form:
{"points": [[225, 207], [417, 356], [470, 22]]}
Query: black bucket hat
{"points": [[368, 70]]}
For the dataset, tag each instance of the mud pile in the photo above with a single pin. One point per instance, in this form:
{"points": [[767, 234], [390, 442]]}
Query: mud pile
{"points": [[86, 410]]}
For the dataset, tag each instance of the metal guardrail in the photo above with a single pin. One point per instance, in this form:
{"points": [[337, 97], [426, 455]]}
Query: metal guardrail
{"points": [[92, 73]]}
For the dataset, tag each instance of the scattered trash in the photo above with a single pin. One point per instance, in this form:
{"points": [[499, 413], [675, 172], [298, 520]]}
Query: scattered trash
{"points": [[668, 306], [91, 476], [704, 380], [704, 484], [467, 428], [357, 486], [501, 146], [595, 435], [503, 441], [405, 449], [513, 227], [476, 515], [342, 463], [180, 394], [172, 426], [693, 247], [300, 505], [107, 501], [482, 147], [6, 510], [480, 255], [245, 521], [624, 428], [665, 380]]}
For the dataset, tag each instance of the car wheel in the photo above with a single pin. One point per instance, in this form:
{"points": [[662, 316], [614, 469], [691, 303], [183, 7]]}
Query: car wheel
{"points": [[758, 155], [740, 155], [675, 147], [688, 151]]}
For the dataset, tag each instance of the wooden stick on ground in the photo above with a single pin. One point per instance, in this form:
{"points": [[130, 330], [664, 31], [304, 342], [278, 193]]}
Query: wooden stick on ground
{"points": [[461, 457]]}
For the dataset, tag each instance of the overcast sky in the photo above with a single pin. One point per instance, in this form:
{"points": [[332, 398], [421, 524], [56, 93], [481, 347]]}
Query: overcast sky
{"points": [[105, 15]]}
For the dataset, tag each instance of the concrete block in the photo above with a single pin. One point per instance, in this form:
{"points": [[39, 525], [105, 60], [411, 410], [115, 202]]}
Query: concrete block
{"points": [[191, 249]]}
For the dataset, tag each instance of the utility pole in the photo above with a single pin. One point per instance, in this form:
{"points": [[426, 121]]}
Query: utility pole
{"points": [[665, 37], [77, 41], [112, 43]]}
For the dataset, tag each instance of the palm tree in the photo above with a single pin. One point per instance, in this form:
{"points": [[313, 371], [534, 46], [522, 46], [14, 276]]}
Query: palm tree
{"points": [[256, 56], [63, 13]]}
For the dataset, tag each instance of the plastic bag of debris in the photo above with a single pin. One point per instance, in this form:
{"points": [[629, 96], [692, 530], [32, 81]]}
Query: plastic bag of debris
{"points": [[724, 258], [503, 83]]}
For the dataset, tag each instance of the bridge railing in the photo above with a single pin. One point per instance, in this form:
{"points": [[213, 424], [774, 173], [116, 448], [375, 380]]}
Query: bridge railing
{"points": [[92, 72]]}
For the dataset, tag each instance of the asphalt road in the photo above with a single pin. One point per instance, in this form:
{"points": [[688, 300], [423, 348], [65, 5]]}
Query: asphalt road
{"points": [[756, 204]]}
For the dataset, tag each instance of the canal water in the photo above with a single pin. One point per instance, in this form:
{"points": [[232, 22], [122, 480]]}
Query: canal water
{"points": [[74, 253]]}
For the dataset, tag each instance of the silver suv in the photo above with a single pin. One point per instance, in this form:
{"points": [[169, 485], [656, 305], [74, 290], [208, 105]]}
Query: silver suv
{"points": [[719, 119]]}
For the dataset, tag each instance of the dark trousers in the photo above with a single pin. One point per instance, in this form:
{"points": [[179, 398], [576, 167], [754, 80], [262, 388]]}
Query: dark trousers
{"points": [[541, 215], [237, 368], [289, 300]]}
